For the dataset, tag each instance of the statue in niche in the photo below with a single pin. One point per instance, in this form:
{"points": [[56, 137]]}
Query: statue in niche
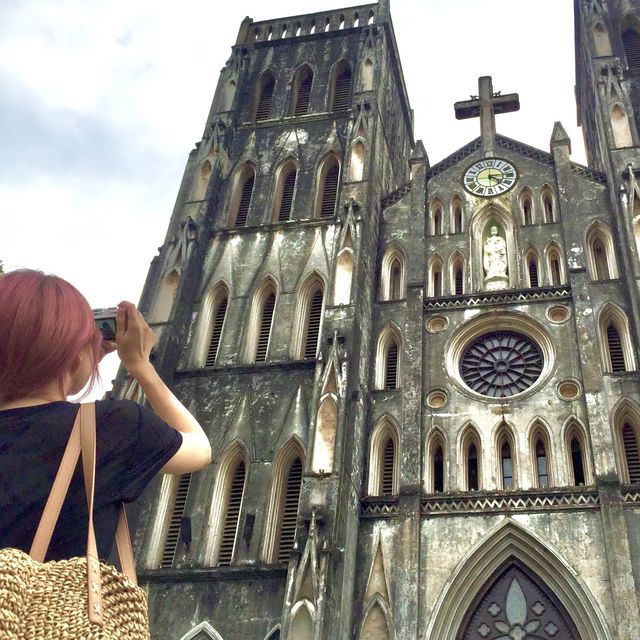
{"points": [[494, 260]]}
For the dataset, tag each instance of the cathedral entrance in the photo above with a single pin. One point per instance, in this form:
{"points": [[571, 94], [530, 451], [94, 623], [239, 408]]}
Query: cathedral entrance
{"points": [[515, 605]]}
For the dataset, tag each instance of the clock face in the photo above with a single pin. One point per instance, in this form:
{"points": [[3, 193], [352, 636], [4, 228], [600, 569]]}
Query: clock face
{"points": [[490, 177]]}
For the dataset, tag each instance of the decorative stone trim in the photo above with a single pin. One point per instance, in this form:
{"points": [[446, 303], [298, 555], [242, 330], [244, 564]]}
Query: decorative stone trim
{"points": [[379, 507], [490, 299], [631, 495], [395, 196], [520, 501]]}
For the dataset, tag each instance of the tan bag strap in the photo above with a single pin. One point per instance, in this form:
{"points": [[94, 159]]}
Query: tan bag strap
{"points": [[83, 437]]}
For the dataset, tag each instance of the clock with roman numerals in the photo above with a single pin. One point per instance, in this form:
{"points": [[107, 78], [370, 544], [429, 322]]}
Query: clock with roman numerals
{"points": [[490, 177]]}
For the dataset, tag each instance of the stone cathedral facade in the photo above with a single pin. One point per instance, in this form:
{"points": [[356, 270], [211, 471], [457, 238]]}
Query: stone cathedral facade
{"points": [[420, 381]]}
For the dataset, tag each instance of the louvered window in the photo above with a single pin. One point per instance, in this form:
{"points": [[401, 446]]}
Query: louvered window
{"points": [[631, 42], [577, 464], [541, 465], [245, 201], [265, 327], [304, 93], [263, 111], [616, 354], [216, 331], [313, 325], [342, 91], [507, 466], [173, 533], [329, 192], [290, 510], [391, 369], [555, 271], [232, 516], [526, 206], [395, 283], [472, 468], [458, 281], [387, 468], [286, 199], [438, 470], [600, 260], [533, 273], [631, 454]]}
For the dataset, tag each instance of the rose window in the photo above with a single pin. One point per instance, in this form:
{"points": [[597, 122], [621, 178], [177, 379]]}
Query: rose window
{"points": [[501, 364]]}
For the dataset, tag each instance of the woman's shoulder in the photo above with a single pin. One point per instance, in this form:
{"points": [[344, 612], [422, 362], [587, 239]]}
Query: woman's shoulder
{"points": [[112, 411]]}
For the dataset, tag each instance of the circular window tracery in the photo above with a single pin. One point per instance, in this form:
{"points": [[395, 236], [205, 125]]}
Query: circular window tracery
{"points": [[501, 364]]}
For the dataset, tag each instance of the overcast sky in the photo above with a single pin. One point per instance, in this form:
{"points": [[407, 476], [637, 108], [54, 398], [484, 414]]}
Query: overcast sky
{"points": [[102, 100]]}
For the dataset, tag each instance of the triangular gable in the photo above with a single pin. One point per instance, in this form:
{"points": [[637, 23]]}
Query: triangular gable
{"points": [[317, 260], [240, 427], [296, 422]]}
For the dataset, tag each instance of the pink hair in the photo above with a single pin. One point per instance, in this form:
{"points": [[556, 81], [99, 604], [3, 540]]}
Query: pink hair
{"points": [[44, 323]]}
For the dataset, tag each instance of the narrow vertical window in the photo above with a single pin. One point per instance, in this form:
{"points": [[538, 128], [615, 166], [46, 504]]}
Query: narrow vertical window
{"points": [[219, 314], [577, 463], [542, 471], [458, 280], [616, 352], [600, 260], [357, 162], [232, 516], [302, 85], [547, 203], [457, 220], [631, 43], [342, 88], [245, 199], [473, 476], [391, 366], [329, 188], [631, 454], [620, 126], [313, 324], [285, 196], [526, 211], [386, 475], [437, 222], [344, 274], [438, 470], [265, 98], [395, 280], [290, 510], [533, 272], [437, 281], [554, 263], [173, 533], [506, 464], [366, 75], [266, 320]]}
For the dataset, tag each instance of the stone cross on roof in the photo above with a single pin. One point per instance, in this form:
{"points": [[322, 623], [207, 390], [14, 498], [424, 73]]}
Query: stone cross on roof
{"points": [[486, 105]]}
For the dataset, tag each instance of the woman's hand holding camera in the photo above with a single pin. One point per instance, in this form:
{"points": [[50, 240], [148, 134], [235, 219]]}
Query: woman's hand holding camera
{"points": [[134, 338]]}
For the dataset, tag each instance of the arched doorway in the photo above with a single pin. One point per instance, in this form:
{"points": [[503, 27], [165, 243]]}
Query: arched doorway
{"points": [[515, 604]]}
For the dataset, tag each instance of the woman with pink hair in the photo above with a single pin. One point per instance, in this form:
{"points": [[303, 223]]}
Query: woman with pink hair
{"points": [[50, 348]]}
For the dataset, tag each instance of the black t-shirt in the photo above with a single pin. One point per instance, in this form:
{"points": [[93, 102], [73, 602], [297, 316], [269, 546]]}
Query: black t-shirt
{"points": [[133, 444]]}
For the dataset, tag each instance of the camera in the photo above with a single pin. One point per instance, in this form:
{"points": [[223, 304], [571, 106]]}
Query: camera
{"points": [[106, 322]]}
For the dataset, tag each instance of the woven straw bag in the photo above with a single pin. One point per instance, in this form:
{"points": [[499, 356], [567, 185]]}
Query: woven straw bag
{"points": [[62, 600]]}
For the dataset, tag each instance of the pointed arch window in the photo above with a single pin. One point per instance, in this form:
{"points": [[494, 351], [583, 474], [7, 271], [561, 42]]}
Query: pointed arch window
{"points": [[383, 458], [576, 451], [262, 321], [285, 189], [601, 40], [436, 470], [302, 84], [456, 216], [228, 95], [173, 530], [388, 365], [314, 318], [328, 187], [457, 276], [548, 206], [527, 210], [366, 75], [435, 279], [344, 274], [620, 126], [437, 222], [541, 468], [266, 85], [615, 340], [325, 436], [218, 313], [341, 93], [357, 162], [392, 280], [395, 280], [631, 43], [532, 270], [290, 510], [243, 192], [472, 461], [233, 506], [601, 253], [166, 296], [631, 453], [507, 463], [555, 268]]}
